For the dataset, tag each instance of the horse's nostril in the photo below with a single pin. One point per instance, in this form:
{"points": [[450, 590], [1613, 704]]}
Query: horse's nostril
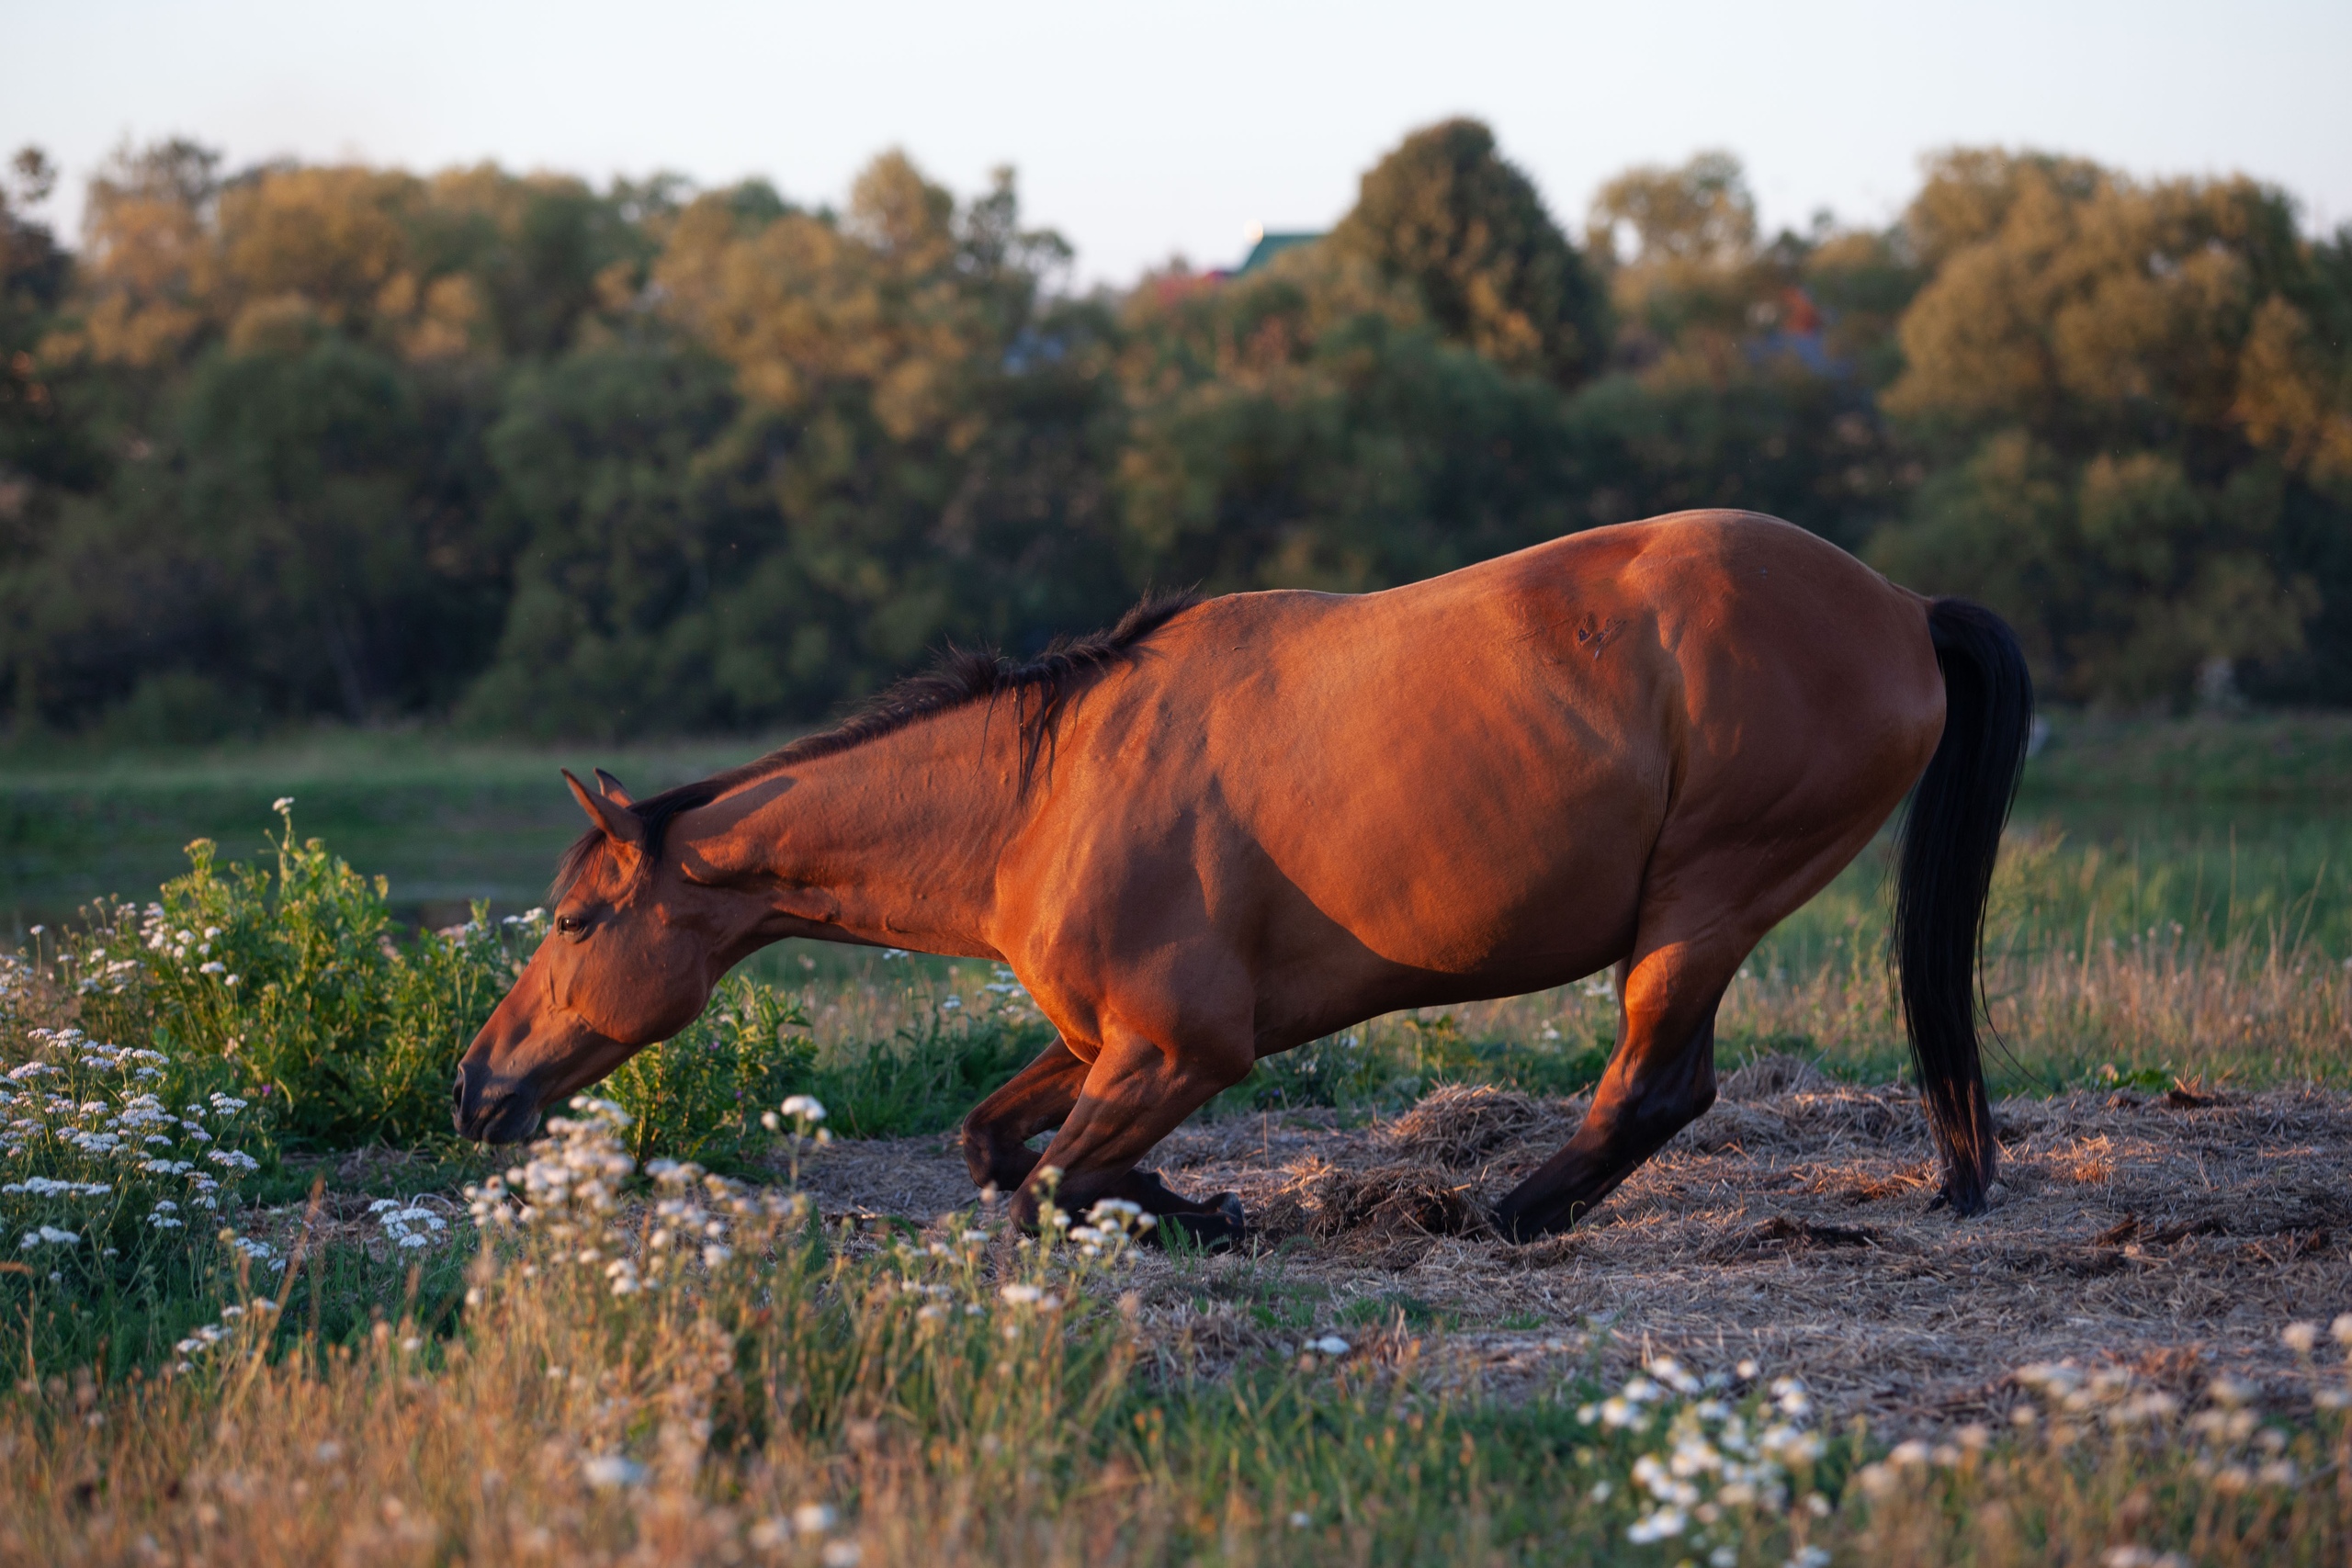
{"points": [[458, 1094]]}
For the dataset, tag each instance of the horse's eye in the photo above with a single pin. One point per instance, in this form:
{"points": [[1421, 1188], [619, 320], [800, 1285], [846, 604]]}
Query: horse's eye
{"points": [[571, 925]]}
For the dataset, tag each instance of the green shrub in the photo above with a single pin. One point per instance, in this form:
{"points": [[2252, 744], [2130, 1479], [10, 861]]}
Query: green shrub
{"points": [[700, 1095], [295, 980]]}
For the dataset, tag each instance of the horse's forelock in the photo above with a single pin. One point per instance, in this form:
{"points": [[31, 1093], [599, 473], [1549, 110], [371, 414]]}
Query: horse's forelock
{"points": [[654, 812], [575, 864]]}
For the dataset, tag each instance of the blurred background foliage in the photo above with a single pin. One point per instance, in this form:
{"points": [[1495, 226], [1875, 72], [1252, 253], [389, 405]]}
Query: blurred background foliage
{"points": [[545, 459]]}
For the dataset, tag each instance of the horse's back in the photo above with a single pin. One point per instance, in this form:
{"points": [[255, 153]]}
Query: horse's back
{"points": [[1609, 670], [1468, 775]]}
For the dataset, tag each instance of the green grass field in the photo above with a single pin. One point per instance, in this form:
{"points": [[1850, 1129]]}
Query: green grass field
{"points": [[447, 820]]}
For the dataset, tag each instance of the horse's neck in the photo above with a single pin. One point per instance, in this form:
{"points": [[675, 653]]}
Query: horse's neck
{"points": [[895, 840]]}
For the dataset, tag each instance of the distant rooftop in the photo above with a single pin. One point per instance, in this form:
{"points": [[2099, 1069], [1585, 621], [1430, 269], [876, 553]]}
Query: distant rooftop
{"points": [[1271, 245]]}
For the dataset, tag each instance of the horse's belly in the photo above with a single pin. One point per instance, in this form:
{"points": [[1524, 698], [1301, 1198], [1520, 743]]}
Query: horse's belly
{"points": [[1470, 848]]}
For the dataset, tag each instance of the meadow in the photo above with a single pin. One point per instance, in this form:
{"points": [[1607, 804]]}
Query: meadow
{"points": [[262, 1307]]}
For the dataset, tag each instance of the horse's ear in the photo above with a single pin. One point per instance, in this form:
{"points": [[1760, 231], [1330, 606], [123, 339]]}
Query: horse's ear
{"points": [[620, 823], [612, 788]]}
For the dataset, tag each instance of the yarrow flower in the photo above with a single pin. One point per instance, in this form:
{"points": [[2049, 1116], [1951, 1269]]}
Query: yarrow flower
{"points": [[1655, 1525], [50, 1186], [409, 1226], [1706, 1461], [605, 1471]]}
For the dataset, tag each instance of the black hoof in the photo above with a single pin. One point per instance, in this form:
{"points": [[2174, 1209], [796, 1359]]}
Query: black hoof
{"points": [[1965, 1202], [1519, 1226], [1222, 1226]]}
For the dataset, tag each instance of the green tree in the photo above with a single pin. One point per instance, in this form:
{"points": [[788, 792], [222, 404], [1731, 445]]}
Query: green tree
{"points": [[2139, 357], [1361, 454], [299, 439], [606, 467], [1681, 252], [833, 440], [1446, 218], [1734, 383], [44, 447], [295, 541]]}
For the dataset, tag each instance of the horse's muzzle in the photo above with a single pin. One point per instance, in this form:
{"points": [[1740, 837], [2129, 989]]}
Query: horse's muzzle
{"points": [[492, 1112]]}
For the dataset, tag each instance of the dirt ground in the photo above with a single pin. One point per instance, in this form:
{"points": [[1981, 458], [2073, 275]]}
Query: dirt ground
{"points": [[2173, 1233]]}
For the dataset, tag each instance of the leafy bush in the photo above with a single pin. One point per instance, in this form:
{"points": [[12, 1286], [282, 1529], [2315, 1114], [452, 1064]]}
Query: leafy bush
{"points": [[701, 1095], [295, 980]]}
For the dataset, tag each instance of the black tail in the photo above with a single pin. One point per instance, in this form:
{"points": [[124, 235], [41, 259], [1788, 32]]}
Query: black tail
{"points": [[1949, 838]]}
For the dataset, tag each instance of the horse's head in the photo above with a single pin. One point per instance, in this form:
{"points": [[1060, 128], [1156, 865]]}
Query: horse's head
{"points": [[631, 958]]}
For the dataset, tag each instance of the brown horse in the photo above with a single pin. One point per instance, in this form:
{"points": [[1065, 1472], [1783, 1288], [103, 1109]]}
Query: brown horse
{"points": [[1227, 827]]}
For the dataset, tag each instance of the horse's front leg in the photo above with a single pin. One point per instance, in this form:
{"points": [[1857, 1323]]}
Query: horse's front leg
{"points": [[1037, 1099], [1136, 1093]]}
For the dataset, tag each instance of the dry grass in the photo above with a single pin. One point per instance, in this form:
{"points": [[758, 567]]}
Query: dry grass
{"points": [[2260, 1011], [1791, 1226]]}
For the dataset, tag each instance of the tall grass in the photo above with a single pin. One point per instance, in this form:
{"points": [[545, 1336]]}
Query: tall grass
{"points": [[703, 1374], [687, 1371]]}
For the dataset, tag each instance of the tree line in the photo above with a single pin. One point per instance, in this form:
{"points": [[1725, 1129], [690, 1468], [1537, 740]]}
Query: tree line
{"points": [[543, 459]]}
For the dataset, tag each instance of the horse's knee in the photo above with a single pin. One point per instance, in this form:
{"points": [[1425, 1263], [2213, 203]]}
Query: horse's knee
{"points": [[994, 1157], [996, 1135], [979, 1158]]}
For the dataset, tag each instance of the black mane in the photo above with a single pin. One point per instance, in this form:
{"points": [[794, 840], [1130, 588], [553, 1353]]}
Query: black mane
{"points": [[959, 678]]}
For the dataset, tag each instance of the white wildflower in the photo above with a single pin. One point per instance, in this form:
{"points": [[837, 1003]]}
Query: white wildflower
{"points": [[1657, 1525], [606, 1472]]}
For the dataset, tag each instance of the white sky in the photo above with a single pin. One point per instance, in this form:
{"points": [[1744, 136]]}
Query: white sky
{"points": [[1141, 131]]}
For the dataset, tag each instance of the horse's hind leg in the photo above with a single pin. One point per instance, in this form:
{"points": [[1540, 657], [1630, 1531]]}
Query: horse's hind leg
{"points": [[1662, 1076], [1038, 1097]]}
